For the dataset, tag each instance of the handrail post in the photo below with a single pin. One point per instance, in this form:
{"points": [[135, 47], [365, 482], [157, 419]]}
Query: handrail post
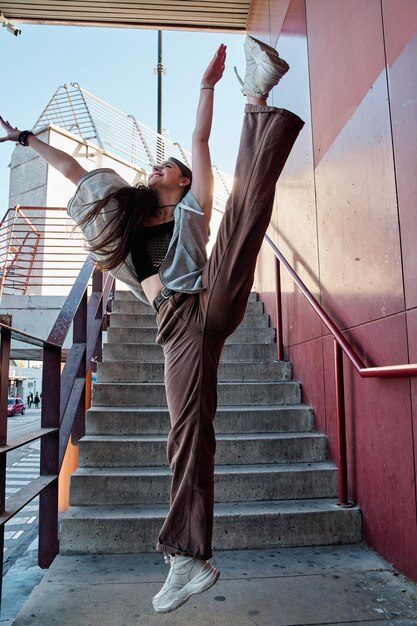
{"points": [[280, 342], [5, 341], [341, 426], [79, 335], [98, 285], [49, 464]]}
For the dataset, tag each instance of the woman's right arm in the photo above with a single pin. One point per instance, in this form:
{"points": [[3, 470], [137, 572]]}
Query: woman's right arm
{"points": [[63, 162]]}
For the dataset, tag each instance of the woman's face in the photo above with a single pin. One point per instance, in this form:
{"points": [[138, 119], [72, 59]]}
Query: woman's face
{"points": [[166, 176]]}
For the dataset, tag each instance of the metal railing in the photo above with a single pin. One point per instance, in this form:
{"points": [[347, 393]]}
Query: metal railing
{"points": [[39, 247], [341, 346], [63, 401]]}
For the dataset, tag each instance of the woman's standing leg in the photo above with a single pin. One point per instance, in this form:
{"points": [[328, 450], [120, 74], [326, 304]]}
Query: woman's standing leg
{"points": [[191, 363]]}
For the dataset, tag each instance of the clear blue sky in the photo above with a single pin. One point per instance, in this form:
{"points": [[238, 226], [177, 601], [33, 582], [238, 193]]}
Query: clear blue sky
{"points": [[117, 65]]}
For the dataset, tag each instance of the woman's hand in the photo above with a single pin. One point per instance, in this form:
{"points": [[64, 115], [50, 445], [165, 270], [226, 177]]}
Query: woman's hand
{"points": [[215, 70], [12, 134]]}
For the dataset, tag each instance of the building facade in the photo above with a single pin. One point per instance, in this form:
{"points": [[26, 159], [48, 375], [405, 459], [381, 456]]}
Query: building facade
{"points": [[346, 219]]}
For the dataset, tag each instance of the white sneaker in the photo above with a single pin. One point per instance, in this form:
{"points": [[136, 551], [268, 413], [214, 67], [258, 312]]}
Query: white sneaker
{"points": [[187, 576], [264, 68]]}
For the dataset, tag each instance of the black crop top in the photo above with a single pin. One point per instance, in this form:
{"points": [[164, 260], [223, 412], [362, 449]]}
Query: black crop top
{"points": [[151, 248]]}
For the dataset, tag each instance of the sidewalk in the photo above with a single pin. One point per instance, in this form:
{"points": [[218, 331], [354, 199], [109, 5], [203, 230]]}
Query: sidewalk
{"points": [[347, 585]]}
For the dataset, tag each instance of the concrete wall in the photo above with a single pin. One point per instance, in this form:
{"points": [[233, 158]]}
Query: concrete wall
{"points": [[34, 315], [345, 218]]}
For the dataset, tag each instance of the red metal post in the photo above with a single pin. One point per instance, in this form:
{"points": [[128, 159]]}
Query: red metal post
{"points": [[8, 248], [32, 262], [98, 284], [5, 336], [51, 418], [79, 335], [5, 339], [341, 426], [2, 507], [280, 343]]}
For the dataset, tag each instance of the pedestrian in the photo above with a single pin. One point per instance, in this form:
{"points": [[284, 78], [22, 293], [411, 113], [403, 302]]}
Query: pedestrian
{"points": [[37, 400], [29, 399], [154, 239]]}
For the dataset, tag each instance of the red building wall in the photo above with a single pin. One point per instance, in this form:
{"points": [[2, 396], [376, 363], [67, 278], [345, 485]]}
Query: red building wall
{"points": [[346, 219]]}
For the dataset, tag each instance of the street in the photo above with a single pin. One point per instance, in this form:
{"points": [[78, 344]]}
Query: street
{"points": [[22, 467]]}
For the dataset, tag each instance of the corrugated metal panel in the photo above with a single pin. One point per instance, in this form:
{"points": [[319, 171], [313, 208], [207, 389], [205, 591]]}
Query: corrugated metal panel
{"points": [[229, 15]]}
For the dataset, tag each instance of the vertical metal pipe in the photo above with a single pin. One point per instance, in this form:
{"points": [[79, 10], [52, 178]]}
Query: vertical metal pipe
{"points": [[5, 337], [2, 507], [160, 148], [280, 342], [8, 250], [79, 336], [341, 426], [159, 69], [98, 285], [5, 341]]}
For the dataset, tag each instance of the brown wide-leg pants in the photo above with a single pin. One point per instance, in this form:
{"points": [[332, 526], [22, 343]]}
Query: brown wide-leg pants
{"points": [[193, 328]]}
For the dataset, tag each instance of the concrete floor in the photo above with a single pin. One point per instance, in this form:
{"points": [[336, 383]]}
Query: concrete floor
{"points": [[347, 585]]}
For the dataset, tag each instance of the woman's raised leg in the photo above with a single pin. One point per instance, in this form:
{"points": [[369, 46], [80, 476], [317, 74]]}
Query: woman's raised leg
{"points": [[268, 136]]}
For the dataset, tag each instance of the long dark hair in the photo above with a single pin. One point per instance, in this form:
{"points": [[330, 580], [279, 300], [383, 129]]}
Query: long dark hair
{"points": [[133, 206]]}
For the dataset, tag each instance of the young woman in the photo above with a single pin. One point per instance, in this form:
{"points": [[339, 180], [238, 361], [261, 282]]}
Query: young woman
{"points": [[198, 302]]}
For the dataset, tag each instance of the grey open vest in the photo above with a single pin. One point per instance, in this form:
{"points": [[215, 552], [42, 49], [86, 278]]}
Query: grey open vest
{"points": [[184, 262]]}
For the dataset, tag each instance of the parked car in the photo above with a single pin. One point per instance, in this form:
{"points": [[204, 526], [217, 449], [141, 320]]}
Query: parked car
{"points": [[15, 405]]}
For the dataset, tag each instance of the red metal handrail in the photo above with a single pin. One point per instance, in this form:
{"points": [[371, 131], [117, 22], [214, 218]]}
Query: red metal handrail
{"points": [[63, 400], [341, 345]]}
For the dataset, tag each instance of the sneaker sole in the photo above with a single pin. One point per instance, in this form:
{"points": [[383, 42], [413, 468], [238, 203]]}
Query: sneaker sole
{"points": [[195, 586]]}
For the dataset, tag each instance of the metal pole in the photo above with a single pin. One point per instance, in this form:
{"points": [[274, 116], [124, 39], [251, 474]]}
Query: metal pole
{"points": [[341, 426], [159, 69], [280, 342], [48, 545]]}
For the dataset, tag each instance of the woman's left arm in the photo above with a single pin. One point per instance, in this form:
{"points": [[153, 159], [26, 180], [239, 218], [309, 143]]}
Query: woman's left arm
{"points": [[202, 183]]}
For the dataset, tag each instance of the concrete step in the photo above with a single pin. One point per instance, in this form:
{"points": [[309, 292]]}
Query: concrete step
{"points": [[153, 352], [132, 320], [153, 394], [153, 421], [240, 483], [138, 307], [120, 371], [148, 335], [274, 486], [231, 449], [237, 525]]}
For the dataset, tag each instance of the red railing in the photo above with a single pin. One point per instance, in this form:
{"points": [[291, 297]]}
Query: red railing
{"points": [[40, 247], [341, 346], [63, 400]]}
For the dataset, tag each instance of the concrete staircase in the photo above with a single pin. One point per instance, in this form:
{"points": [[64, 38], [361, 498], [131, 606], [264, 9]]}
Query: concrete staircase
{"points": [[274, 486]]}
